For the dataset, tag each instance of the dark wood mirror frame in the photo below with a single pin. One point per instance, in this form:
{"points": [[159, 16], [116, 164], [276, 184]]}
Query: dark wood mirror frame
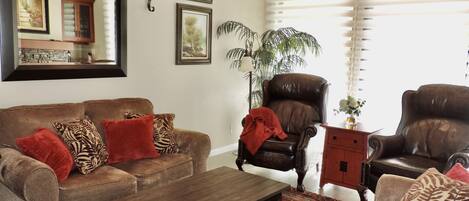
{"points": [[9, 52]]}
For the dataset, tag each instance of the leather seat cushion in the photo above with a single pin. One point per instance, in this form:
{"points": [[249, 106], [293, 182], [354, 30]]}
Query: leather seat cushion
{"points": [[285, 146], [105, 183], [272, 160], [159, 171], [406, 165]]}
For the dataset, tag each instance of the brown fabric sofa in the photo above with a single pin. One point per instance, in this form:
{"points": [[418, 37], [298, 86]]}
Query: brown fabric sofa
{"points": [[392, 187], [30, 180]]}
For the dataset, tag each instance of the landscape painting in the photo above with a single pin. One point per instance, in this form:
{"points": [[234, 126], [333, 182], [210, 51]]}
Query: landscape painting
{"points": [[194, 35], [32, 16]]}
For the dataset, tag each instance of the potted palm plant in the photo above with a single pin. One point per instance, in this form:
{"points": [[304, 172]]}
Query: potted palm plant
{"points": [[273, 52]]}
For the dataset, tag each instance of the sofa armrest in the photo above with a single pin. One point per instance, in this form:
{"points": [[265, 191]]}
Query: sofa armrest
{"points": [[392, 187], [385, 145], [28, 178], [195, 144], [458, 157]]}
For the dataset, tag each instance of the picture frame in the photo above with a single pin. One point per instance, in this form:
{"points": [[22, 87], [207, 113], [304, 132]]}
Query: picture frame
{"points": [[193, 35], [204, 1], [33, 16]]}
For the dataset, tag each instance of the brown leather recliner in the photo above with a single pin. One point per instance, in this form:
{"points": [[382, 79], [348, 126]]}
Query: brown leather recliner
{"points": [[433, 132], [299, 100]]}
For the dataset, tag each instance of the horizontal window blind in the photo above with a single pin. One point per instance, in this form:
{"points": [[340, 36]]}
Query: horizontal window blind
{"points": [[405, 44], [331, 22], [109, 10], [377, 49]]}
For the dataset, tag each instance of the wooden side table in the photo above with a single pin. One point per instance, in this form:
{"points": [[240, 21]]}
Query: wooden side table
{"points": [[344, 151]]}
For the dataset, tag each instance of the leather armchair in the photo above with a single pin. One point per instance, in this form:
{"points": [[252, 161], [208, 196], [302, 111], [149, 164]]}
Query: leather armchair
{"points": [[299, 100], [433, 132]]}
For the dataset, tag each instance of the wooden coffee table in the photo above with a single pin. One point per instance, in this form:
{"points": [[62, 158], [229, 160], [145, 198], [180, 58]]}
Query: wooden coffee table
{"points": [[219, 184]]}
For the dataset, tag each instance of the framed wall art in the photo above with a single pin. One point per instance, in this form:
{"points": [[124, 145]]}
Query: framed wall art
{"points": [[193, 35], [33, 16]]}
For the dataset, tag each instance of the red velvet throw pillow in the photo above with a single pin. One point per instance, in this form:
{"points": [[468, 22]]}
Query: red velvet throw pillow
{"points": [[45, 146], [458, 172], [129, 139]]}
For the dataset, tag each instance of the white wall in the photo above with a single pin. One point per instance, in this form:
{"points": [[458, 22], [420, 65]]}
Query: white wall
{"points": [[208, 98]]}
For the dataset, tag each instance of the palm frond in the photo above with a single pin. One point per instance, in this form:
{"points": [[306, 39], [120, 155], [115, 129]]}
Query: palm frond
{"points": [[264, 57], [274, 37], [257, 98], [307, 41], [235, 53], [240, 30], [287, 63], [235, 64], [278, 51]]}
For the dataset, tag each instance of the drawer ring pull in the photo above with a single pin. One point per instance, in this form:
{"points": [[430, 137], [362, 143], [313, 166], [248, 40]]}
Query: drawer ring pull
{"points": [[355, 141], [334, 138]]}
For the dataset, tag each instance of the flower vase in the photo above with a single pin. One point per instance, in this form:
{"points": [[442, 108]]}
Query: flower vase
{"points": [[351, 121]]}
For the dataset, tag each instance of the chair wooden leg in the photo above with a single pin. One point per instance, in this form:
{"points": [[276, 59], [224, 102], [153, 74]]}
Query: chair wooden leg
{"points": [[301, 175], [239, 163], [362, 193], [240, 158]]}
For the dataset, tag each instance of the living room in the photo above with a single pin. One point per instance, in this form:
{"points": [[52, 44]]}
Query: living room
{"points": [[352, 100]]}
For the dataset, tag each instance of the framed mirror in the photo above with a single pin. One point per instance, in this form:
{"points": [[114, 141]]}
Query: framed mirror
{"points": [[62, 39]]}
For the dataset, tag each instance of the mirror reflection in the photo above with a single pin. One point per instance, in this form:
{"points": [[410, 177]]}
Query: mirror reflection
{"points": [[66, 32]]}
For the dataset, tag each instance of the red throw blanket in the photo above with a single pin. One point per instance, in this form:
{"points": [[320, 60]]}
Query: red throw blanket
{"points": [[259, 125]]}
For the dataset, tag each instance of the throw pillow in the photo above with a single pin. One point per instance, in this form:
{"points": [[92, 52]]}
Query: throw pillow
{"points": [[432, 185], [163, 128], [84, 142], [458, 172], [129, 139], [45, 146]]}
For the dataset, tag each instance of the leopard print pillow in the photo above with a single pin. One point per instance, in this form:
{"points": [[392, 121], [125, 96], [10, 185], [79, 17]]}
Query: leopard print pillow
{"points": [[432, 185], [84, 142], [163, 132]]}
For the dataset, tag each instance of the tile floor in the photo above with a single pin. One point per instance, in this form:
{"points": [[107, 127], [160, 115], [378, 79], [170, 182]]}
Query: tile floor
{"points": [[311, 180]]}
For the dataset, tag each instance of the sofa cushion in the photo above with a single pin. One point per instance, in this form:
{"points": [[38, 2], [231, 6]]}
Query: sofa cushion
{"points": [[45, 146], [130, 139], [458, 172], [85, 143], [435, 186], [33, 117], [105, 183], [99, 110], [163, 132], [406, 165], [160, 171]]}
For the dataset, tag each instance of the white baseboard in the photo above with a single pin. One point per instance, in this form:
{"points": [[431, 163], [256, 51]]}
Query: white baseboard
{"points": [[222, 150]]}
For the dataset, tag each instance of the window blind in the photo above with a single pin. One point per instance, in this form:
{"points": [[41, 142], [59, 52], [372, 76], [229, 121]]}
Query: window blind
{"points": [[377, 49], [109, 9], [404, 44], [331, 22]]}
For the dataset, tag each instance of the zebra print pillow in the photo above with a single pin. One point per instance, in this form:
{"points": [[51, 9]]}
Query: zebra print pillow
{"points": [[432, 185], [85, 144], [163, 132]]}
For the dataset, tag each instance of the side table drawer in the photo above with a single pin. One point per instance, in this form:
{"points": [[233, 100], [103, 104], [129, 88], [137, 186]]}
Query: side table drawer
{"points": [[348, 140], [355, 141]]}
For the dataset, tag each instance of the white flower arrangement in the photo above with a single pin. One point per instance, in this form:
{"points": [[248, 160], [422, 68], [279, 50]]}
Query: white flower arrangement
{"points": [[350, 106]]}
